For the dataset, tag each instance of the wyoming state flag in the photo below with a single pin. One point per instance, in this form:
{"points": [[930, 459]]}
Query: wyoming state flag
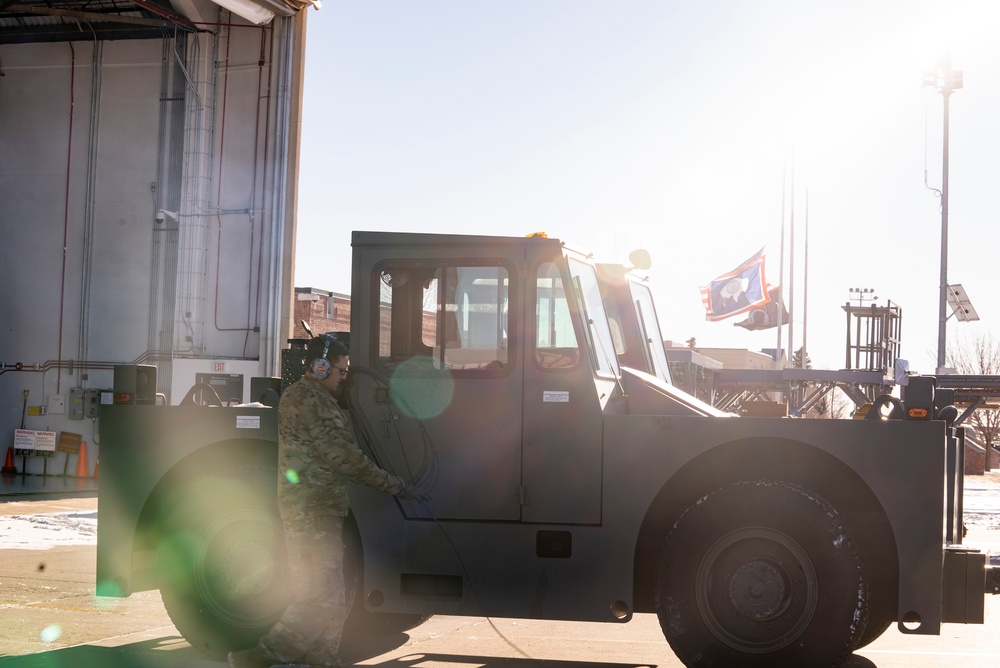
{"points": [[737, 291]]}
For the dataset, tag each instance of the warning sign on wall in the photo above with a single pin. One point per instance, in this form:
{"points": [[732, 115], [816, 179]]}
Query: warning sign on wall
{"points": [[24, 441], [45, 443], [32, 443]]}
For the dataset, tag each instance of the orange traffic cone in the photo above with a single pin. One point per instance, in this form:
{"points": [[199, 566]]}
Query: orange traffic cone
{"points": [[82, 470], [8, 465]]}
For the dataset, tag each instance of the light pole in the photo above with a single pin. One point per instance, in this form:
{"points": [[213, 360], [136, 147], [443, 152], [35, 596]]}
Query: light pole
{"points": [[946, 81]]}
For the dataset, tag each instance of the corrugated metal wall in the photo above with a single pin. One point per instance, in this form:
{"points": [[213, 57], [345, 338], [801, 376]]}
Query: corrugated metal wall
{"points": [[95, 139]]}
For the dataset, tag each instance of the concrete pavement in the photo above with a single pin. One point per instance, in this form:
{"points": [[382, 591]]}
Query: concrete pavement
{"points": [[31, 485]]}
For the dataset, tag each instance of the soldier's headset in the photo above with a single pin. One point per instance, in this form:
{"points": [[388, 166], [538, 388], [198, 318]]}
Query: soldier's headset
{"points": [[321, 367]]}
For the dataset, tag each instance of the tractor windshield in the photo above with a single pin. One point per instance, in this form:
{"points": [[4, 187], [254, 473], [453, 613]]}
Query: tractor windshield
{"points": [[591, 307]]}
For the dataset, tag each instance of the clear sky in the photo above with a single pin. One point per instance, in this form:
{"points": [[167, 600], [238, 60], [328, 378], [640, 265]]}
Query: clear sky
{"points": [[674, 126]]}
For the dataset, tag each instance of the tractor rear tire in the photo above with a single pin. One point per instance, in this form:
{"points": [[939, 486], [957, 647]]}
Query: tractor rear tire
{"points": [[220, 560]]}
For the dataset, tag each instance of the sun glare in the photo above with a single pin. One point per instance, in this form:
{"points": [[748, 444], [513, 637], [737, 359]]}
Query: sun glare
{"points": [[849, 90], [956, 27]]}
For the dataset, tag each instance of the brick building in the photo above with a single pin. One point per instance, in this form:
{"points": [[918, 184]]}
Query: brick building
{"points": [[325, 311]]}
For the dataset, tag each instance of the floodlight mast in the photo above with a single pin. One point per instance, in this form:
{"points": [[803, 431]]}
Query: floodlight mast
{"points": [[946, 81]]}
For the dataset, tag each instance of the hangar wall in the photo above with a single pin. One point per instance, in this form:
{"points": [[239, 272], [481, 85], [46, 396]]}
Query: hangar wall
{"points": [[96, 138]]}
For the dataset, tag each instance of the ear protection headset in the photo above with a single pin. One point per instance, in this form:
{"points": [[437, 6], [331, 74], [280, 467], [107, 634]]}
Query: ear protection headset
{"points": [[321, 367]]}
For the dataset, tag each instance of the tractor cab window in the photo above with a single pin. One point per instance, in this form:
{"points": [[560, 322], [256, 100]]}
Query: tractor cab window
{"points": [[555, 339], [455, 316]]}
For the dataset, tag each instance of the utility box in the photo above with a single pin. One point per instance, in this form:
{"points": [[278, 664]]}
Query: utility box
{"points": [[93, 399], [77, 397], [56, 404]]}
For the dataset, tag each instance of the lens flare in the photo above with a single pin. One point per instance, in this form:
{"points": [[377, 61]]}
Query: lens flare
{"points": [[50, 633], [292, 476], [108, 595], [422, 390]]}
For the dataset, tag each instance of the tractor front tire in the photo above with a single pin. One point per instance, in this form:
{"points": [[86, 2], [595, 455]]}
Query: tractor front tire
{"points": [[761, 573]]}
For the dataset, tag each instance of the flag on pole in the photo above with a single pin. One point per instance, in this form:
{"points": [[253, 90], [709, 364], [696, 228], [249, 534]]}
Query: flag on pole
{"points": [[768, 316], [737, 291]]}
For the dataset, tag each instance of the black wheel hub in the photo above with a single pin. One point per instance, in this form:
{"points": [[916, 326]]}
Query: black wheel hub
{"points": [[756, 590]]}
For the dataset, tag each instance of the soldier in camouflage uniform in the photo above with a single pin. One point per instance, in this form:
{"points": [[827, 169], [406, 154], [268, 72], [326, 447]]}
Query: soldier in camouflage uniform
{"points": [[317, 456]]}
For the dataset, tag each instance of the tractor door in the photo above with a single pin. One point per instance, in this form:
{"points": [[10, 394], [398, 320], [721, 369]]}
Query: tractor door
{"points": [[570, 379], [440, 389]]}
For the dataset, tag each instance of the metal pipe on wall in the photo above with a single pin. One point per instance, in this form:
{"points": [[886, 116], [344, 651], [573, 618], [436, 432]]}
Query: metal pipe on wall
{"points": [[89, 222]]}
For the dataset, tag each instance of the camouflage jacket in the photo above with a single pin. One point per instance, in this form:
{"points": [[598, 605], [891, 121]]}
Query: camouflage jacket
{"points": [[317, 453]]}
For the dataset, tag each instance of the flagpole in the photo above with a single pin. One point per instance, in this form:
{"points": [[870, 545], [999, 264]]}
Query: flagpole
{"points": [[791, 268], [805, 285], [781, 267]]}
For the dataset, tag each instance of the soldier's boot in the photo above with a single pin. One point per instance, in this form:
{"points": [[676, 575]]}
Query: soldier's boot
{"points": [[248, 658]]}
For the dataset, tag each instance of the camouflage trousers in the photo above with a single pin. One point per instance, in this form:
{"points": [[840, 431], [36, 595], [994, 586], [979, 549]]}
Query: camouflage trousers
{"points": [[310, 628]]}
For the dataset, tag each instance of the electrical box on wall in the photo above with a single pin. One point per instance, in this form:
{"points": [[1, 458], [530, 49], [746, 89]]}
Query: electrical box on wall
{"points": [[93, 400], [56, 404], [85, 402], [76, 397]]}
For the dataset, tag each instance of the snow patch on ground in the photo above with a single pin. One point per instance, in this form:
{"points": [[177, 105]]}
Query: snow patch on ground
{"points": [[41, 532], [982, 501]]}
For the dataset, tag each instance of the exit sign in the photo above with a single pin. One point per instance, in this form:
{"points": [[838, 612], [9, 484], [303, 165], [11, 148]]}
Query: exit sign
{"points": [[218, 367]]}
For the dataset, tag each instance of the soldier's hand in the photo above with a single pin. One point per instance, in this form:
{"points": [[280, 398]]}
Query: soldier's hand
{"points": [[411, 492]]}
